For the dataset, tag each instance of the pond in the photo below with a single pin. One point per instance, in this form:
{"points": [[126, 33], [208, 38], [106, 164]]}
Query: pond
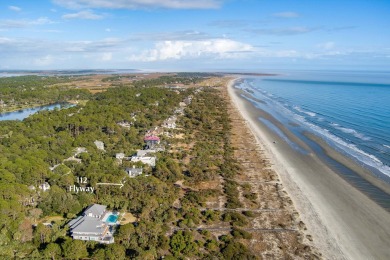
{"points": [[23, 113]]}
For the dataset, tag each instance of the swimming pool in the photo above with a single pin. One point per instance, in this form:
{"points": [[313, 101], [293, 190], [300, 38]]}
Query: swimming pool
{"points": [[111, 219]]}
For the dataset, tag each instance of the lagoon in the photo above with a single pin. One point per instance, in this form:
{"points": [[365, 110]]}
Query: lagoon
{"points": [[24, 113]]}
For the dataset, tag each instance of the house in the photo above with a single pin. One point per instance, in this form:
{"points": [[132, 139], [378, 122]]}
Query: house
{"points": [[151, 141], [120, 156], [142, 153], [92, 225], [79, 150], [133, 172], [188, 99], [99, 145], [144, 159], [44, 186]]}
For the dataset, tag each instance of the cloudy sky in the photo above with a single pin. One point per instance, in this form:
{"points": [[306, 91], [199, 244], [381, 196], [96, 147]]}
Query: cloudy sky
{"points": [[188, 35]]}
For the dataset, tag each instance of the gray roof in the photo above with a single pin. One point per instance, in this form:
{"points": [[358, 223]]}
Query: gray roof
{"points": [[95, 209], [73, 221], [99, 145], [134, 170], [141, 153], [85, 224]]}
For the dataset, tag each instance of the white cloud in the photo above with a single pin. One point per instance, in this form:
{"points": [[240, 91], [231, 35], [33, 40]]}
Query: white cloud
{"points": [[326, 45], [14, 8], [284, 31], [12, 24], [44, 61], [135, 4], [41, 20], [286, 15], [107, 56], [186, 35], [180, 54], [230, 23], [4, 40], [87, 14], [176, 50], [285, 54], [101, 46]]}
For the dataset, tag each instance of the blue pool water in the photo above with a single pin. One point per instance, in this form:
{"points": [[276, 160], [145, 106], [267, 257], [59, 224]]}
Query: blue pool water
{"points": [[112, 218]]}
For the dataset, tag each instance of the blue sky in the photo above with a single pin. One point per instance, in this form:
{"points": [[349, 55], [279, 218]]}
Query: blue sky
{"points": [[195, 35]]}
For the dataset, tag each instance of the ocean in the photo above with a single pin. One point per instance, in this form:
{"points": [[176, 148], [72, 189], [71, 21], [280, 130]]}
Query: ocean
{"points": [[349, 110]]}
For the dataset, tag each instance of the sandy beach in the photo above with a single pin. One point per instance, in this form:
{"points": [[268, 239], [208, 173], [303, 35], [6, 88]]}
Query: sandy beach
{"points": [[344, 223]]}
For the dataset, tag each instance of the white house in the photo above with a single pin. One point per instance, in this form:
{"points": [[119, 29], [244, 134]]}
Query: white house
{"points": [[44, 186], [120, 156], [99, 145], [133, 172], [144, 159]]}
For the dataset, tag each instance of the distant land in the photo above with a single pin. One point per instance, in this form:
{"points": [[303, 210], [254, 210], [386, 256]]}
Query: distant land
{"points": [[12, 73]]}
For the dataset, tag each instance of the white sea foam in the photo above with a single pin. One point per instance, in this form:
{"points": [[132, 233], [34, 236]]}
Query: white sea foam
{"points": [[387, 146], [312, 114], [351, 149], [299, 109], [353, 132]]}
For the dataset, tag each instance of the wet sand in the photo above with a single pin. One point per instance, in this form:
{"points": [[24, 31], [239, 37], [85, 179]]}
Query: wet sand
{"points": [[344, 223]]}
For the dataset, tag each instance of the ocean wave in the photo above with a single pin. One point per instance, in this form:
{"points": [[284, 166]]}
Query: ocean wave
{"points": [[351, 149], [352, 132], [343, 146], [299, 109], [387, 146], [312, 114]]}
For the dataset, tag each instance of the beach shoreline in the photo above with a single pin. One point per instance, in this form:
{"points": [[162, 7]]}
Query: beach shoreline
{"points": [[344, 223]]}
